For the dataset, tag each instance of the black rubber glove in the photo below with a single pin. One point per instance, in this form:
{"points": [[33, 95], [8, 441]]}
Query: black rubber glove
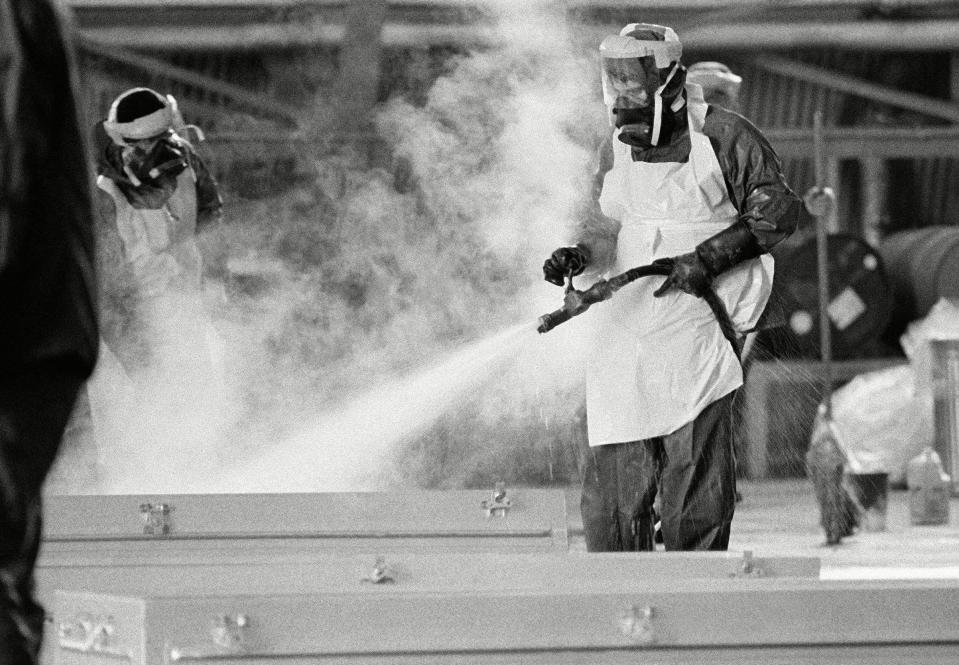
{"points": [[565, 261], [694, 272], [689, 274]]}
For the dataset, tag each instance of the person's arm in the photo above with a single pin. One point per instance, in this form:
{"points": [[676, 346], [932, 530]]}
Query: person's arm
{"points": [[768, 208], [209, 219], [209, 203]]}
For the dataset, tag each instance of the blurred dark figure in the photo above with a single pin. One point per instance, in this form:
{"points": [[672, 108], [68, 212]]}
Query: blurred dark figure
{"points": [[48, 329]]}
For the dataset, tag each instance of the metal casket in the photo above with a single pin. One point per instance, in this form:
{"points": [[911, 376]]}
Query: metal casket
{"points": [[399, 572], [729, 621], [262, 545], [218, 526]]}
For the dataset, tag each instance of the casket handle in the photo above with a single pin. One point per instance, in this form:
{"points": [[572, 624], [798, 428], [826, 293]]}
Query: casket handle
{"points": [[497, 503], [229, 633], [157, 518], [381, 573], [87, 633], [637, 624]]}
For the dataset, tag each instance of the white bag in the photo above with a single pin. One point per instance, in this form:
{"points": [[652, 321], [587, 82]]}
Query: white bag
{"points": [[883, 421]]}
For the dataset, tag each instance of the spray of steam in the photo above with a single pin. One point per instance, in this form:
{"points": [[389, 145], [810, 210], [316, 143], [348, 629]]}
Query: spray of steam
{"points": [[502, 149], [354, 320]]}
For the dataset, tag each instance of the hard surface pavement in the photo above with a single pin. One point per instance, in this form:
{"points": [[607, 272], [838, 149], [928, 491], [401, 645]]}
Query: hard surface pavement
{"points": [[781, 518]]}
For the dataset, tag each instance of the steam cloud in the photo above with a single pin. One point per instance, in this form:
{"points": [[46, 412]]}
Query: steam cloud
{"points": [[352, 317]]}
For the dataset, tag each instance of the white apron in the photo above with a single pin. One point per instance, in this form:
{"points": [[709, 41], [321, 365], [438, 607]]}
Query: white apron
{"points": [[160, 244], [656, 363]]}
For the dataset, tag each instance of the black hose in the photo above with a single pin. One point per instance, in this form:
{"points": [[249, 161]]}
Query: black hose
{"points": [[549, 321]]}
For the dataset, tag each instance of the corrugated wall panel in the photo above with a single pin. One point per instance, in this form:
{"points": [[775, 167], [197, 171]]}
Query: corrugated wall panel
{"points": [[769, 100], [776, 101]]}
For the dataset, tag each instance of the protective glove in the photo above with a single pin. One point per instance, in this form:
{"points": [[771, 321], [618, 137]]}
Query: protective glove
{"points": [[565, 261], [694, 272], [689, 274]]}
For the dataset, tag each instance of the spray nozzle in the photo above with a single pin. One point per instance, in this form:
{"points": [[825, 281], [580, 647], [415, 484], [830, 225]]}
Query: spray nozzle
{"points": [[576, 302]]}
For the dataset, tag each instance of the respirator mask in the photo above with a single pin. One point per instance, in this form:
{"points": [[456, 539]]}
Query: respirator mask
{"points": [[643, 83], [143, 124], [149, 161]]}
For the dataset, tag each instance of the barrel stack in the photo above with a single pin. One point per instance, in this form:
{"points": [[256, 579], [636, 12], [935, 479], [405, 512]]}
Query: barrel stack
{"points": [[922, 266]]}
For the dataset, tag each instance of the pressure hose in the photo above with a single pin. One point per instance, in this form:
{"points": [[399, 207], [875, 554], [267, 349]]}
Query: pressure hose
{"points": [[576, 302]]}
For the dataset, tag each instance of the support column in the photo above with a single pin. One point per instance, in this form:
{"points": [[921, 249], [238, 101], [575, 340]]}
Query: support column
{"points": [[954, 76], [831, 179], [358, 80], [874, 186]]}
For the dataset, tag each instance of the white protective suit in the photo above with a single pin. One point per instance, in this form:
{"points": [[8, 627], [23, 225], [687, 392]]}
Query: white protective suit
{"points": [[160, 244], [657, 362]]}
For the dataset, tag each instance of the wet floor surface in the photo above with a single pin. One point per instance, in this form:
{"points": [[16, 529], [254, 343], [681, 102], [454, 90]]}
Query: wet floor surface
{"points": [[781, 518]]}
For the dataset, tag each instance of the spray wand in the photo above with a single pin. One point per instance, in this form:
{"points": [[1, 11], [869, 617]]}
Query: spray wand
{"points": [[576, 302]]}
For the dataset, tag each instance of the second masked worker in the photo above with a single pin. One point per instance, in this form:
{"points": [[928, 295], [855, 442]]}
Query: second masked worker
{"points": [[700, 185]]}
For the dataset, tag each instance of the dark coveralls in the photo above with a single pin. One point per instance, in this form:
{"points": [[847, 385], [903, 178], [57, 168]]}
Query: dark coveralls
{"points": [[48, 329], [694, 468]]}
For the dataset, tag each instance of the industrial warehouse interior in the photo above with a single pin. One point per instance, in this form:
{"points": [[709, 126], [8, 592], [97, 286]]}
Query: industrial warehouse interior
{"points": [[370, 431]]}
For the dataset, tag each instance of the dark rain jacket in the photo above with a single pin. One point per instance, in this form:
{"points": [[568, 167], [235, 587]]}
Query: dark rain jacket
{"points": [[48, 326], [768, 209], [752, 171], [46, 242]]}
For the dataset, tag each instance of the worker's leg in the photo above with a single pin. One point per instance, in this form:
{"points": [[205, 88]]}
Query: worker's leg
{"points": [[699, 481], [619, 485]]}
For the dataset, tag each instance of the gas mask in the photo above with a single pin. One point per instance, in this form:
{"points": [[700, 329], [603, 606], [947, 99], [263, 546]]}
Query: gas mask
{"points": [[143, 124], [643, 83], [151, 161]]}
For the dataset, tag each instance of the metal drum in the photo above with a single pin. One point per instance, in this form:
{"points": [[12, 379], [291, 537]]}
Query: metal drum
{"points": [[922, 266], [860, 300]]}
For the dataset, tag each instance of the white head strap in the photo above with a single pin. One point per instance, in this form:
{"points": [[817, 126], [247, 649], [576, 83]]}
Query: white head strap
{"points": [[623, 46], [139, 128]]}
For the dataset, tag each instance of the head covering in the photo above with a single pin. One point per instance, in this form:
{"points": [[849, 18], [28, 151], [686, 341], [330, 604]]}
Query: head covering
{"points": [[640, 40], [139, 113], [643, 82], [714, 76]]}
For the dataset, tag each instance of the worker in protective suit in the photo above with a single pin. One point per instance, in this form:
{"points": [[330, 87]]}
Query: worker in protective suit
{"points": [[720, 85], [155, 195], [48, 326], [699, 188]]}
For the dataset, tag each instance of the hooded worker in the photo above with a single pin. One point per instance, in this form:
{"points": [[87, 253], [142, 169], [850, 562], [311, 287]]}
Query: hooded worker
{"points": [[155, 194], [159, 211], [700, 189], [160, 189], [720, 85]]}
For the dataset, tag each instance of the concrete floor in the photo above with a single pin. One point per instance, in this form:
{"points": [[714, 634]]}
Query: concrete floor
{"points": [[781, 518]]}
